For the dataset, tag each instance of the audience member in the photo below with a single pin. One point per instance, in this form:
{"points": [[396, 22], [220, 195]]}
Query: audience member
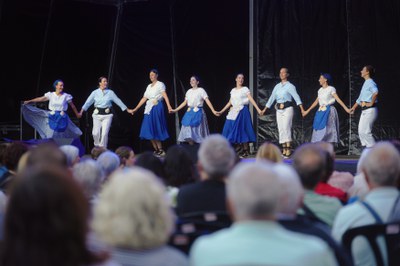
{"points": [[133, 217], [323, 187], [179, 170], [309, 161], [256, 238], [290, 200], [148, 160], [89, 175], [270, 152], [72, 154], [46, 222], [97, 151], [381, 168], [12, 154], [109, 162], [216, 159], [126, 156]]}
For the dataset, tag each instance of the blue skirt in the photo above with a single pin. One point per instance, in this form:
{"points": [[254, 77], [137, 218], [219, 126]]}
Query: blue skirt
{"points": [[50, 126], [194, 133], [330, 133], [154, 125], [240, 130]]}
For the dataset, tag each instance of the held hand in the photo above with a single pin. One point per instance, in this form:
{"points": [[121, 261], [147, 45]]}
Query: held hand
{"points": [[78, 115], [260, 112], [172, 111], [304, 113], [26, 102]]}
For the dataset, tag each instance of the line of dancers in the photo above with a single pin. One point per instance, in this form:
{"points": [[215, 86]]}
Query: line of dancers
{"points": [[238, 128]]}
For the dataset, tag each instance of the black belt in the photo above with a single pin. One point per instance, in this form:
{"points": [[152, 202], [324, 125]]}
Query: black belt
{"points": [[104, 111], [367, 107], [285, 105]]}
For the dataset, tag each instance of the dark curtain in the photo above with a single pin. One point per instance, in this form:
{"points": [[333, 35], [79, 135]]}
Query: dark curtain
{"points": [[315, 36]]}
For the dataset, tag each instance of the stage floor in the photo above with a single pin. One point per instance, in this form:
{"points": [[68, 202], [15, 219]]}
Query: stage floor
{"points": [[343, 163]]}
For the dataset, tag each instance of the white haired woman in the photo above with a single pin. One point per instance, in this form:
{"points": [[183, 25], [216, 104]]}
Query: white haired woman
{"points": [[139, 228]]}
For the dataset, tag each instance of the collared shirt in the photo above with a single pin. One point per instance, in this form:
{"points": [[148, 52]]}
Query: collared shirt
{"points": [[381, 199], [368, 89], [283, 92], [259, 243], [103, 99]]}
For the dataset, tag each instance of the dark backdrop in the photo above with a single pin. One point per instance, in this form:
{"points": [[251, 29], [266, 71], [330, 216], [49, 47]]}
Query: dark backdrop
{"points": [[78, 41]]}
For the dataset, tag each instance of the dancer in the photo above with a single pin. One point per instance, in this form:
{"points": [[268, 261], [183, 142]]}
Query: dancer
{"points": [[194, 123], [102, 98], [283, 93], [326, 120], [54, 123], [154, 125], [367, 100], [238, 128]]}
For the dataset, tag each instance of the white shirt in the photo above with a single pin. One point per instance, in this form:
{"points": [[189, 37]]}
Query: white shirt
{"points": [[325, 96], [153, 95], [239, 98], [196, 97], [58, 102]]}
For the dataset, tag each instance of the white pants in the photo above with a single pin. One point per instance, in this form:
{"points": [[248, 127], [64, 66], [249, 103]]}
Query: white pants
{"points": [[284, 120], [367, 120], [101, 127]]}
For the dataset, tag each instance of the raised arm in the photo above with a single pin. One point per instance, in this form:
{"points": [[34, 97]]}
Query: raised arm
{"points": [[183, 104], [341, 102], [37, 100], [254, 103], [209, 104], [166, 99]]}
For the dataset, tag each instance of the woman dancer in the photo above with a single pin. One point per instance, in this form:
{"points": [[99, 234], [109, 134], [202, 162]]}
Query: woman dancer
{"points": [[367, 100], [283, 93], [194, 123], [154, 125], [326, 121], [238, 128], [102, 98], [54, 123]]}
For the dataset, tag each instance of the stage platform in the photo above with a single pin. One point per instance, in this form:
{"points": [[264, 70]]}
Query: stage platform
{"points": [[343, 163]]}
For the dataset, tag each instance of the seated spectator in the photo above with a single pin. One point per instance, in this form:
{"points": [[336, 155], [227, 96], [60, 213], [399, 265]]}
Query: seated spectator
{"points": [[12, 154], [149, 161], [179, 170], [3, 168], [46, 222], [381, 168], [323, 187], [89, 175], [97, 151], [290, 200], [126, 156], [46, 154], [216, 159], [109, 162], [360, 188], [256, 238], [270, 152], [309, 161], [72, 154], [133, 217]]}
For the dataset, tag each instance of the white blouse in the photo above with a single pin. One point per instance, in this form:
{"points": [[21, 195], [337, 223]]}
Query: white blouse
{"points": [[238, 100], [153, 95], [58, 102], [325, 96], [195, 97]]}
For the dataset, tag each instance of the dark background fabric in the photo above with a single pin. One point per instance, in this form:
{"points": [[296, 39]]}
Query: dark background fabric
{"points": [[79, 41]]}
